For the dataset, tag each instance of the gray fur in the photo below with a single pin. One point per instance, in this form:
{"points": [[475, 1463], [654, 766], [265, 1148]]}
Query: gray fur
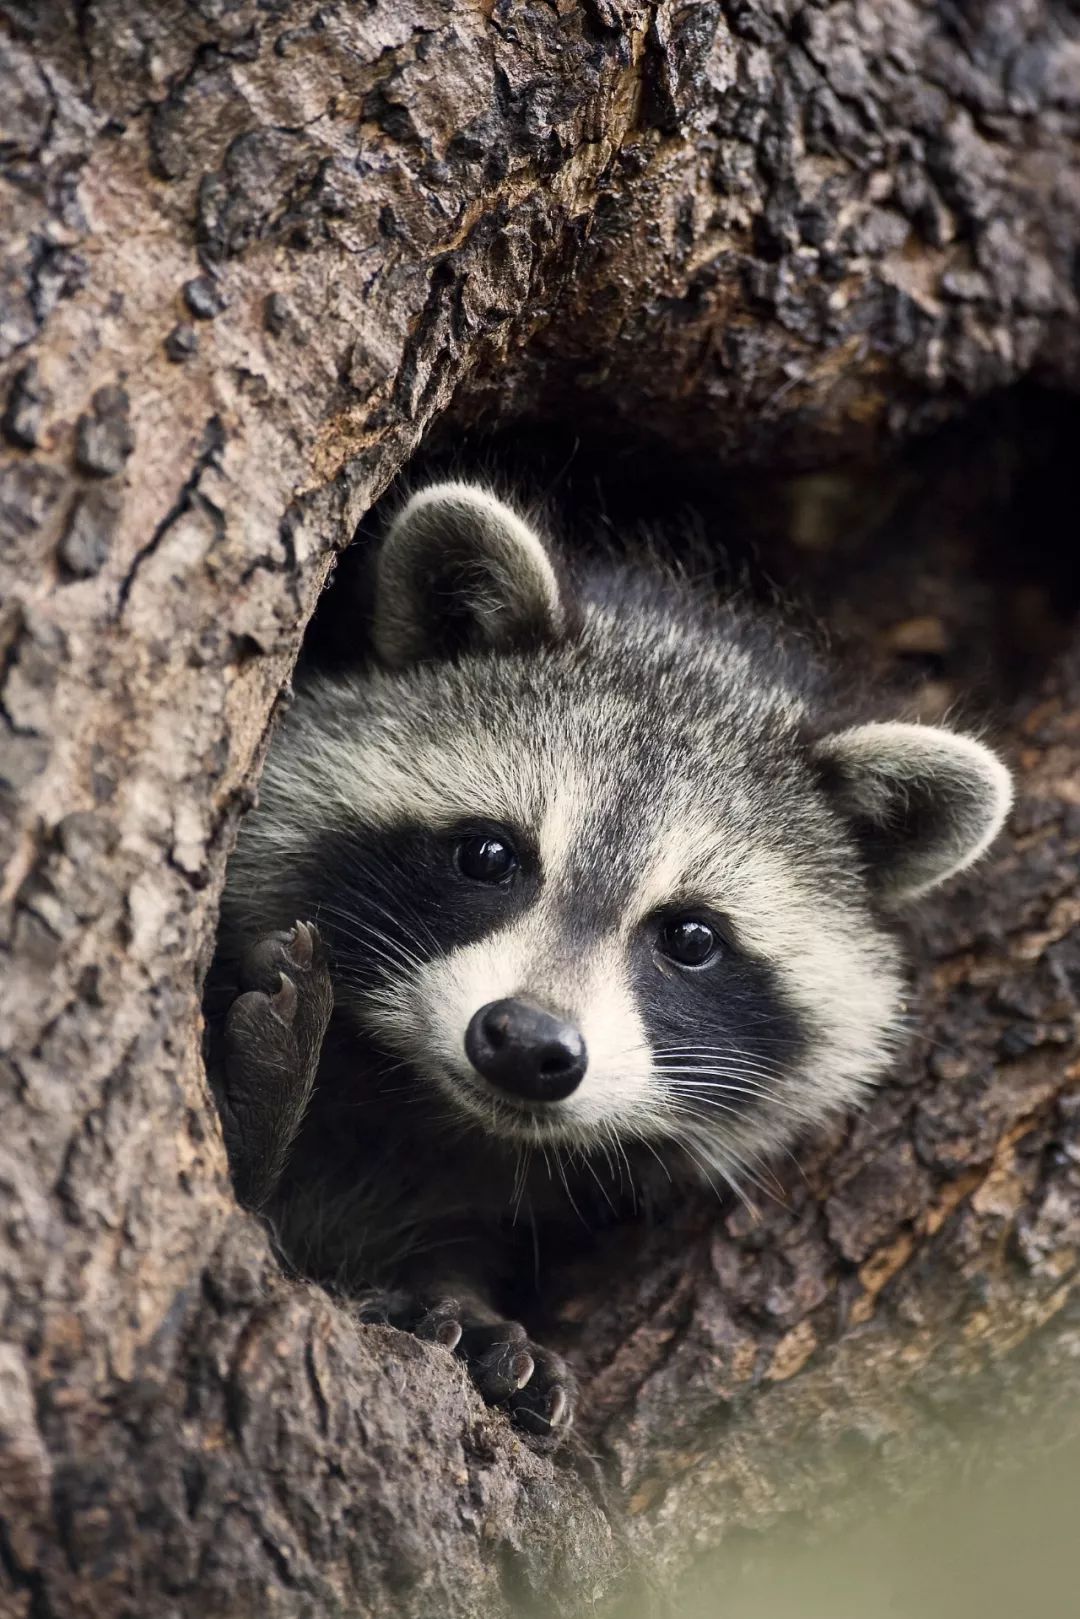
{"points": [[657, 753]]}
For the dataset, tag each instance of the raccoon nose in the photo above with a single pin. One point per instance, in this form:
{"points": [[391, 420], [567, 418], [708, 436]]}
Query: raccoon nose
{"points": [[526, 1051]]}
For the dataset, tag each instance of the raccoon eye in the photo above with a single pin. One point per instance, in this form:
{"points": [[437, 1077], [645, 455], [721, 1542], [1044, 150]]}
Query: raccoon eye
{"points": [[484, 857], [688, 941]]}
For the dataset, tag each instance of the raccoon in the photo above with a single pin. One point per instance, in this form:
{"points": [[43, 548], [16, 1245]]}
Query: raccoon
{"points": [[578, 887]]}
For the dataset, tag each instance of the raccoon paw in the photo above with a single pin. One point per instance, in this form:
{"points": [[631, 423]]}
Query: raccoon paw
{"points": [[509, 1369], [272, 1038], [544, 1405], [533, 1384]]}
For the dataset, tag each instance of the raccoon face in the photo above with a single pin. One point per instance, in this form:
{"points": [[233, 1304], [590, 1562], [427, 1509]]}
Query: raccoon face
{"points": [[593, 874]]}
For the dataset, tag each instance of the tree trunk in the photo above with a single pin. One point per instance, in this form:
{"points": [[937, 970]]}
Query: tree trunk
{"points": [[252, 250]]}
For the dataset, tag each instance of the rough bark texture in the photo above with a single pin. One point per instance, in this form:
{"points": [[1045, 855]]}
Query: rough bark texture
{"points": [[251, 250]]}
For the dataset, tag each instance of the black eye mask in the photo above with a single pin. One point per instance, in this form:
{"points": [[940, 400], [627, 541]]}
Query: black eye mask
{"points": [[725, 1031], [390, 899]]}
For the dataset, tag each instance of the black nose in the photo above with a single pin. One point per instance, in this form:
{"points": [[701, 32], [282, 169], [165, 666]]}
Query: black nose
{"points": [[526, 1051]]}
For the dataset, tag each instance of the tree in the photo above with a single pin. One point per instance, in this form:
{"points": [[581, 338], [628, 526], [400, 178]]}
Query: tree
{"points": [[253, 249]]}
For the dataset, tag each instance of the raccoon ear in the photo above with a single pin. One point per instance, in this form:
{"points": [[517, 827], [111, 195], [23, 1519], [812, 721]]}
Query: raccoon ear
{"points": [[459, 568], [923, 801]]}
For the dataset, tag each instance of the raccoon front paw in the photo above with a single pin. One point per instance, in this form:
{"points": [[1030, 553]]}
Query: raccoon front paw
{"points": [[272, 1037], [509, 1368], [533, 1384]]}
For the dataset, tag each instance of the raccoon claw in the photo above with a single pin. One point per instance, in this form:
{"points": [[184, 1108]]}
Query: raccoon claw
{"points": [[291, 952], [437, 1322], [501, 1371], [545, 1404], [284, 1002], [301, 946], [440, 1325]]}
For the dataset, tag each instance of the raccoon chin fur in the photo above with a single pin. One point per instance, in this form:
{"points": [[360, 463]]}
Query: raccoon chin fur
{"points": [[647, 829]]}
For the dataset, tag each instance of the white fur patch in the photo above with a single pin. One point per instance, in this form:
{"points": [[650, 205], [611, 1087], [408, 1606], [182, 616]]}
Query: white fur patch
{"points": [[426, 1016]]}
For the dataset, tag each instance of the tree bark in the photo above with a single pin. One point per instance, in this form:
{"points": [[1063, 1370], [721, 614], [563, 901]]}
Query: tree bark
{"points": [[252, 250]]}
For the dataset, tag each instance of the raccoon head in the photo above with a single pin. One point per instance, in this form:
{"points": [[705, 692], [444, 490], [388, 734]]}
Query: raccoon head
{"points": [[593, 868]]}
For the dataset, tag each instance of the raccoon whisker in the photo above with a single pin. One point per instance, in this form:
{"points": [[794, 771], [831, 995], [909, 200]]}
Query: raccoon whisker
{"points": [[726, 1083], [388, 967], [566, 1185], [391, 1065], [732, 1084], [711, 1165], [704, 1100], [521, 1170], [518, 1156], [730, 1080], [395, 913], [587, 1163], [733, 1065], [766, 1180], [612, 1164], [650, 1146], [748, 1019], [706, 1111], [350, 915], [726, 1059], [696, 1127], [642, 1049], [740, 1153], [415, 1095], [729, 1062], [727, 1174], [686, 1111], [362, 983], [726, 1050], [709, 1169], [799, 1170], [775, 1196], [732, 1070], [726, 1078], [371, 934], [622, 1159], [348, 928], [718, 1098]]}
